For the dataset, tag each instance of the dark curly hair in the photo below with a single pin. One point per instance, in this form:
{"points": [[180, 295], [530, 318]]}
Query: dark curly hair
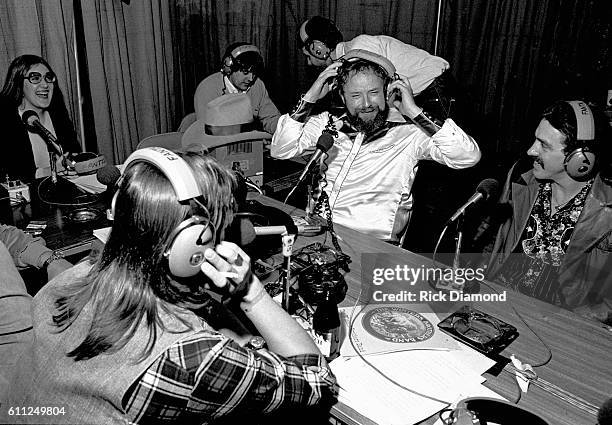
{"points": [[324, 30], [562, 117], [250, 61]]}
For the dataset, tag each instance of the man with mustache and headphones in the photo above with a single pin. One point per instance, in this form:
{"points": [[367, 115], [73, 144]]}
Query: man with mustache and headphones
{"points": [[557, 245], [241, 67], [378, 140]]}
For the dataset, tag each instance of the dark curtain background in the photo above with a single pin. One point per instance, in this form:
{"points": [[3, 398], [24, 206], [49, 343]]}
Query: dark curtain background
{"points": [[145, 58], [515, 57], [204, 28]]}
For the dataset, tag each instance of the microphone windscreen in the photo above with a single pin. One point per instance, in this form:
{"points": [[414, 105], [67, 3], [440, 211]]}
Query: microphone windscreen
{"points": [[243, 233], [489, 188], [604, 415], [326, 140], [28, 117], [108, 175]]}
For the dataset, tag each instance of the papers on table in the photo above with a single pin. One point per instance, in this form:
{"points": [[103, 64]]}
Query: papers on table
{"points": [[411, 381], [384, 328], [102, 233]]}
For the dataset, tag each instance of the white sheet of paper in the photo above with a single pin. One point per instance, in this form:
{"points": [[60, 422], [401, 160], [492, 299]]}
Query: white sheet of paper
{"points": [[102, 233], [443, 369]]}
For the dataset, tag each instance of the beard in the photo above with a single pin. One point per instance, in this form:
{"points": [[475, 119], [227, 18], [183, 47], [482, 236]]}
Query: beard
{"points": [[368, 126]]}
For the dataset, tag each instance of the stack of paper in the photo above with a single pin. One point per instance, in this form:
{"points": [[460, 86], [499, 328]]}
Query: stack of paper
{"points": [[409, 380]]}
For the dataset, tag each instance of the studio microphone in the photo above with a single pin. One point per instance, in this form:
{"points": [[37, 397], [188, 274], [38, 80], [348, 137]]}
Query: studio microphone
{"points": [[604, 415], [326, 140], [243, 232], [273, 230], [487, 189], [108, 175], [32, 122]]}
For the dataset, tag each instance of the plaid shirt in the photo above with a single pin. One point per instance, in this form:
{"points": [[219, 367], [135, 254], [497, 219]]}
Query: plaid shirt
{"points": [[208, 376]]}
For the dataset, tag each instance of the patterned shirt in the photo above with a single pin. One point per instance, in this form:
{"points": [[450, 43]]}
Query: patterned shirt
{"points": [[534, 267], [208, 376]]}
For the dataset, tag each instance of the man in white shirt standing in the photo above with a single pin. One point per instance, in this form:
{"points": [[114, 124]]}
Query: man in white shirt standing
{"points": [[368, 174], [432, 86]]}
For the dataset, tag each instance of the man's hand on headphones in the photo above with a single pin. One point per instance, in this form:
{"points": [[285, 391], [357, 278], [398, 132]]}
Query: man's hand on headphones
{"points": [[400, 96], [323, 84], [229, 269]]}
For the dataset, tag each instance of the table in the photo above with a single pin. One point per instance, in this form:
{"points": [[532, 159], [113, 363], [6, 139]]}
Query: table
{"points": [[63, 232], [581, 361]]}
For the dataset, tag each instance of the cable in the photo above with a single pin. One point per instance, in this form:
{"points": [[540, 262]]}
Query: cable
{"points": [[433, 259], [61, 204], [546, 346], [352, 319]]}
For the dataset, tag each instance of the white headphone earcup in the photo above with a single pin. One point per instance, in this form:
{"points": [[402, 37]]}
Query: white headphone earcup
{"points": [[185, 254], [580, 163]]}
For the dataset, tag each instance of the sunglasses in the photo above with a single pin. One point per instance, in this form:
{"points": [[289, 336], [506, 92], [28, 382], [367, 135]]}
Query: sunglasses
{"points": [[36, 77]]}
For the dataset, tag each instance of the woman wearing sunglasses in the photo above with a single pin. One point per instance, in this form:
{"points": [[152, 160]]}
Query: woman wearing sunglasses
{"points": [[31, 84]]}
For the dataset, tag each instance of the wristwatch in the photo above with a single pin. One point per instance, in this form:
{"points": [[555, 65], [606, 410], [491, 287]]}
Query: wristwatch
{"points": [[256, 343], [55, 255]]}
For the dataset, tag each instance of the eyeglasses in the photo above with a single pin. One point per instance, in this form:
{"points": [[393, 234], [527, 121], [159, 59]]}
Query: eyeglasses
{"points": [[36, 77]]}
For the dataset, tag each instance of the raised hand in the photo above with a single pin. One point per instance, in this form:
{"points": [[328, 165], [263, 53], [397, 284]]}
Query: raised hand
{"points": [[323, 84]]}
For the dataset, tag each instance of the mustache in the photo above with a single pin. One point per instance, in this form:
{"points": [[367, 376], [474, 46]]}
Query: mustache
{"points": [[367, 109]]}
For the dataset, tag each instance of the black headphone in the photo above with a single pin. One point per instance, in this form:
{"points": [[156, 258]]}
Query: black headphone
{"points": [[580, 163], [184, 250], [316, 47], [229, 60]]}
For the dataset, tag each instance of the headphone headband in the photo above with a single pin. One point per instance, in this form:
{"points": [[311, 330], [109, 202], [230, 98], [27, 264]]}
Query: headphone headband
{"points": [[303, 34], [585, 124], [356, 54], [174, 168], [243, 49]]}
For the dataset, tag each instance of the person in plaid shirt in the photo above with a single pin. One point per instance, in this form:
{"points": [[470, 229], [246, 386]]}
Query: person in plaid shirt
{"points": [[118, 340]]}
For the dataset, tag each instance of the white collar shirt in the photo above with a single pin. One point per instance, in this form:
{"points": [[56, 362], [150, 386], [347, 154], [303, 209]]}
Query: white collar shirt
{"points": [[369, 185]]}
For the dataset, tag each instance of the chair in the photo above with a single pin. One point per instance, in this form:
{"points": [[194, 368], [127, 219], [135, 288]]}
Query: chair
{"points": [[170, 141], [186, 122]]}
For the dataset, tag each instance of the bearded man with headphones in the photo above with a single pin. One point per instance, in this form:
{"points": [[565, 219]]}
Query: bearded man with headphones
{"points": [[557, 245], [433, 87], [379, 137], [241, 67], [130, 336], [437, 190]]}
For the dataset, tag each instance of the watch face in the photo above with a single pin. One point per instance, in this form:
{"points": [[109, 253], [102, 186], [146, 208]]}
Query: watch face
{"points": [[256, 343]]}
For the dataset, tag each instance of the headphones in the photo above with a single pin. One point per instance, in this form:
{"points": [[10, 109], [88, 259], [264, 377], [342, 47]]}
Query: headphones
{"points": [[184, 250], [580, 163], [360, 54], [229, 60], [315, 47], [86, 162]]}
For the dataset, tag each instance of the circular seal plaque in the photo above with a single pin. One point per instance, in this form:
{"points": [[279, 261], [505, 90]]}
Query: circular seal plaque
{"points": [[397, 324]]}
